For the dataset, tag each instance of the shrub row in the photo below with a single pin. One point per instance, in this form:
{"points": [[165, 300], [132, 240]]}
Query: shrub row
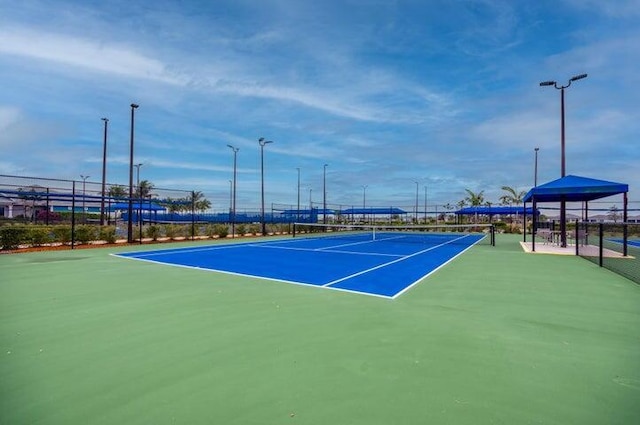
{"points": [[14, 235]]}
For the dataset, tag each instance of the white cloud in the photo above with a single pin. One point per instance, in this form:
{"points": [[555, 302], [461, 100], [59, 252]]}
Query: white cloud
{"points": [[84, 53]]}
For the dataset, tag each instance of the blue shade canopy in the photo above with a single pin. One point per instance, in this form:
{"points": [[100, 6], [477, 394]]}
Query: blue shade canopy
{"points": [[501, 210], [575, 189], [373, 210], [145, 206]]}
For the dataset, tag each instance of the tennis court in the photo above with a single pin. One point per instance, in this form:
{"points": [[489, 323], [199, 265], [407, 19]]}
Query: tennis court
{"points": [[630, 242], [384, 263], [497, 336]]}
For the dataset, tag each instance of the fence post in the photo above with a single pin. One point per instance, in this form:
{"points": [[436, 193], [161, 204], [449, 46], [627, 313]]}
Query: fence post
{"points": [[73, 215], [193, 215], [576, 234], [601, 236]]}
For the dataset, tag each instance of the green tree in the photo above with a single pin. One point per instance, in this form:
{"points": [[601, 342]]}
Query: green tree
{"points": [[144, 189], [201, 203], [614, 214], [474, 199], [117, 191], [512, 196], [175, 205], [31, 195]]}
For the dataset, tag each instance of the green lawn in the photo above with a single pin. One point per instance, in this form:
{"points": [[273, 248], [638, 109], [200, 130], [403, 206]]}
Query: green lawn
{"points": [[495, 337]]}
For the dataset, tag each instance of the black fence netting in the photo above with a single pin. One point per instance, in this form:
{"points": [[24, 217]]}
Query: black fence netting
{"points": [[615, 246]]}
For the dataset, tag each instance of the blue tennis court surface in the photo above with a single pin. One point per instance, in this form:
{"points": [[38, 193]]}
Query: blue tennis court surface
{"points": [[385, 267], [630, 242]]}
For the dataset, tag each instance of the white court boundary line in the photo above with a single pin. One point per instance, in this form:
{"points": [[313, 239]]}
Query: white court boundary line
{"points": [[327, 249], [392, 262], [272, 279], [435, 270], [195, 249]]}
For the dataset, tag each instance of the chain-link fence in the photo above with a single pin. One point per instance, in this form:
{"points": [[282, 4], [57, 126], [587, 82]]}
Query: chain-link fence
{"points": [[615, 246], [37, 211]]}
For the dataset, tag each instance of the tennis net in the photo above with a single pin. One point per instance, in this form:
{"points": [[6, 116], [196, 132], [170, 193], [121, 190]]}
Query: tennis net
{"points": [[435, 234]]}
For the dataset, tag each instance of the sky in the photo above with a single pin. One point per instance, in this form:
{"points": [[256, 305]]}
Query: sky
{"points": [[396, 97]]}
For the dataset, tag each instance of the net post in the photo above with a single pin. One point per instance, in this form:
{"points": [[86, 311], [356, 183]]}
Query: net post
{"points": [[493, 235], [294, 230]]}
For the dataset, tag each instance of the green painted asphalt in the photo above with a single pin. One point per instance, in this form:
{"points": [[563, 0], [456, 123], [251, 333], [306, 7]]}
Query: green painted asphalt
{"points": [[495, 337]]}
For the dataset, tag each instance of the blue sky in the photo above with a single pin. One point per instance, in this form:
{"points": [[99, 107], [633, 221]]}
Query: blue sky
{"points": [[387, 93]]}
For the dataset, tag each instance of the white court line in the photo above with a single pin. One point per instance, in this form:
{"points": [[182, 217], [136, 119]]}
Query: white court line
{"points": [[327, 250], [345, 244], [436, 269], [292, 282], [191, 249], [363, 253], [175, 251], [392, 262]]}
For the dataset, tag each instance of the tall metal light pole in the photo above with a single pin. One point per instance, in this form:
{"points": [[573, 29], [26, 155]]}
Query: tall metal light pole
{"points": [[139, 192], [84, 213], [364, 202], [324, 194], [233, 205], [104, 170], [262, 142], [563, 204], [417, 188], [535, 169], [298, 210], [130, 208], [425, 204], [230, 198]]}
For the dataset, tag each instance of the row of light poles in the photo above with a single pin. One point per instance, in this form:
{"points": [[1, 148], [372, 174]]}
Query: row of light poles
{"points": [[262, 142], [131, 166]]}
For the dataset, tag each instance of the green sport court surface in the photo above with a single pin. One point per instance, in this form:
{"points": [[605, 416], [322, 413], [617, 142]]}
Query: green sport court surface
{"points": [[497, 336]]}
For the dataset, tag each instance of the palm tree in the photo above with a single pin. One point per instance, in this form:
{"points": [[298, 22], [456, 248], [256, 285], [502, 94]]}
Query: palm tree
{"points": [[474, 199], [144, 189], [200, 203], [117, 191], [512, 197], [172, 205]]}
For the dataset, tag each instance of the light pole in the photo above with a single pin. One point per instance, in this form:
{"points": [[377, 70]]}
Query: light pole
{"points": [[230, 198], [104, 170], [233, 204], [535, 169], [262, 142], [364, 202], [139, 199], [310, 200], [417, 188], [563, 204], [425, 204], [130, 208], [324, 194], [84, 213], [298, 210]]}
